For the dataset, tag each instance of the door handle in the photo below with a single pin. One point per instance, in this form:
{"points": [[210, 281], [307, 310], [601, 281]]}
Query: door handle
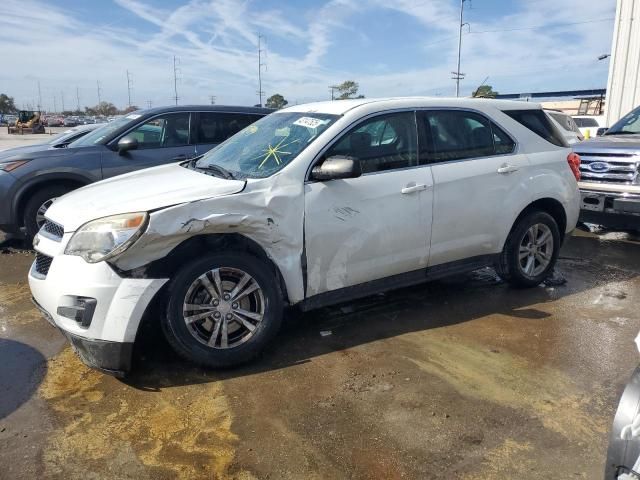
{"points": [[508, 168], [413, 188]]}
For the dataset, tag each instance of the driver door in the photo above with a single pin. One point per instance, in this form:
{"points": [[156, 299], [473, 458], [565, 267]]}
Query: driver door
{"points": [[162, 139], [374, 226]]}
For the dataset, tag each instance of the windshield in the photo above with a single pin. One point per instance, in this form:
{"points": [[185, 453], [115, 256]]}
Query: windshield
{"points": [[629, 124], [268, 145], [99, 134]]}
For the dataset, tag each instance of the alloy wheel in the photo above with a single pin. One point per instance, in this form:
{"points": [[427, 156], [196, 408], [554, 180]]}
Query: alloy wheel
{"points": [[40, 219], [536, 250], [223, 307]]}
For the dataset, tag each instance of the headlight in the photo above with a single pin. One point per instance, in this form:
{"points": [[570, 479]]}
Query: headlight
{"points": [[107, 237], [9, 166]]}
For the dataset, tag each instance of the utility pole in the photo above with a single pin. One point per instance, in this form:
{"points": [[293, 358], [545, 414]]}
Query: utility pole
{"points": [[99, 89], [212, 98], [260, 65], [458, 75], [175, 80], [77, 98], [333, 88], [129, 82], [39, 97], [149, 103], [62, 98]]}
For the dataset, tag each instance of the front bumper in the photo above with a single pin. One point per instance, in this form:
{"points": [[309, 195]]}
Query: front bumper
{"points": [[105, 339], [610, 209]]}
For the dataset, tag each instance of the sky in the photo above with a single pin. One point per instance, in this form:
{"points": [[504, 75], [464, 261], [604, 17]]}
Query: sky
{"points": [[390, 47]]}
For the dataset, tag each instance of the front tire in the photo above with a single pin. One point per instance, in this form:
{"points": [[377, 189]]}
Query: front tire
{"points": [[223, 309], [531, 250], [38, 205]]}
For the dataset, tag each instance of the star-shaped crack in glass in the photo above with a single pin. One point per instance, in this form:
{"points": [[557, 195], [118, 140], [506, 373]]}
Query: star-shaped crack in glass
{"points": [[275, 152]]}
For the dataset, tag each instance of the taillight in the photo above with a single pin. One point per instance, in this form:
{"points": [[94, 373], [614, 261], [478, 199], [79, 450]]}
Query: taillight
{"points": [[574, 164]]}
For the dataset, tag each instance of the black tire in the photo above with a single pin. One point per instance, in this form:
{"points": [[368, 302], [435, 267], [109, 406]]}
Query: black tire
{"points": [[508, 265], [35, 201], [184, 342]]}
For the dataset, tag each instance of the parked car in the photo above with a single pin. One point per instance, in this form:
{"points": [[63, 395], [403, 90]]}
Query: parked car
{"points": [[311, 205], [61, 140], [29, 182], [589, 124], [566, 126], [10, 120], [54, 121], [71, 121], [610, 185]]}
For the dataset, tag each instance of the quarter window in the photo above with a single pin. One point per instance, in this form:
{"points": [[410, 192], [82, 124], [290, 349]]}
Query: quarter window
{"points": [[538, 122], [385, 142], [162, 132]]}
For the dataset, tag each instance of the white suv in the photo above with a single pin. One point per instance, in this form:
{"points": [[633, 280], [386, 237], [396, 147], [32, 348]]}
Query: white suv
{"points": [[312, 205]]}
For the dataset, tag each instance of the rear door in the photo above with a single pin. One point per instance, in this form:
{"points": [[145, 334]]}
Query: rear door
{"points": [[163, 139], [477, 171], [213, 128]]}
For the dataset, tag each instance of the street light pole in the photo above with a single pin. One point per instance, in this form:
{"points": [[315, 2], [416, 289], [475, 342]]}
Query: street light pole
{"points": [[457, 73]]}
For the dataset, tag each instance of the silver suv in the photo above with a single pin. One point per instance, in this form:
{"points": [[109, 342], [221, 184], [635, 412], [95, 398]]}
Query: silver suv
{"points": [[610, 183]]}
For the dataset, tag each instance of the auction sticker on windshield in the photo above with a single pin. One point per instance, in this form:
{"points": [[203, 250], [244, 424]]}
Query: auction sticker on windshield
{"points": [[309, 122]]}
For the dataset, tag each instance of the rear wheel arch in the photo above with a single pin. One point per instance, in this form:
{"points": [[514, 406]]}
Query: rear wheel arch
{"points": [[548, 205]]}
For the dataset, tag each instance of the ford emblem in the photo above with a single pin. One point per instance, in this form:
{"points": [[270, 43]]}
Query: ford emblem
{"points": [[599, 167]]}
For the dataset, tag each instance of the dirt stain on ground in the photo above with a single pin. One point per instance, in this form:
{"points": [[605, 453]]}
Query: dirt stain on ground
{"points": [[107, 427], [504, 378]]}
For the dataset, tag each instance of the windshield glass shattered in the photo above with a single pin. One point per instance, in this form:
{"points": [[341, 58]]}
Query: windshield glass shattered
{"points": [[266, 146]]}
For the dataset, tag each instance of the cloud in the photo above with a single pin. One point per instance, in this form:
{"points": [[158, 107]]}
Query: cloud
{"points": [[216, 42]]}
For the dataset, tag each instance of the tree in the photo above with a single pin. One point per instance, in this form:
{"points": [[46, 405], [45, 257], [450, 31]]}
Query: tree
{"points": [[7, 104], [348, 89], [130, 109], [484, 91], [276, 101], [104, 108]]}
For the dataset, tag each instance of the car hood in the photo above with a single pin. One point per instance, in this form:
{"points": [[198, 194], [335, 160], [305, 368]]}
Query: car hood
{"points": [[139, 191], [616, 142], [11, 152]]}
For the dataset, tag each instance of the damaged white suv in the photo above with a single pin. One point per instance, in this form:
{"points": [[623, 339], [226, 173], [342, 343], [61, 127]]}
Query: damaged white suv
{"points": [[312, 205]]}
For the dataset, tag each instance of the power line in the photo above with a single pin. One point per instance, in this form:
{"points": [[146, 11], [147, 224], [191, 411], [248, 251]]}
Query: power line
{"points": [[543, 26]]}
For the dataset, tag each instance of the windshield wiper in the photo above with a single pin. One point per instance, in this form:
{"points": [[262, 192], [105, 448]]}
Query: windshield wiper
{"points": [[219, 170]]}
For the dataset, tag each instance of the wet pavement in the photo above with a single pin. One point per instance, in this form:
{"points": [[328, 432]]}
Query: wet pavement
{"points": [[464, 378]]}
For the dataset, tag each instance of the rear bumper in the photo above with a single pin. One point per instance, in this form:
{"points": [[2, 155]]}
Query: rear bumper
{"points": [[610, 209]]}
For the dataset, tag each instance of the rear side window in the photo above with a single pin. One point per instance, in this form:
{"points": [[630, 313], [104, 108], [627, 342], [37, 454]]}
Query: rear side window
{"points": [[538, 122], [586, 122], [456, 135], [215, 127]]}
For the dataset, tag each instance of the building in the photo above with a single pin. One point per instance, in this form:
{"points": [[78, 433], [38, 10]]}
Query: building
{"points": [[623, 86]]}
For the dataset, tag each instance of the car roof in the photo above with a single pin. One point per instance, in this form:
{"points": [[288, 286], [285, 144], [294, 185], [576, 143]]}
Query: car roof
{"points": [[340, 107], [205, 108]]}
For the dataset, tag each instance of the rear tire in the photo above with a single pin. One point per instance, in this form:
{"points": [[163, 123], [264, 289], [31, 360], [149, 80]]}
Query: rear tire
{"points": [[531, 250], [37, 205], [222, 328]]}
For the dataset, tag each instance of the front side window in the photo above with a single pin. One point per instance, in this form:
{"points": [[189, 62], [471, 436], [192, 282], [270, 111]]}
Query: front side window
{"points": [[385, 142], [170, 130], [268, 145], [216, 127]]}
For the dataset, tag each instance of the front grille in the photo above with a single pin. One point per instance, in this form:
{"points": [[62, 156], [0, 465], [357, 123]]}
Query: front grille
{"points": [[54, 230], [43, 263], [619, 168]]}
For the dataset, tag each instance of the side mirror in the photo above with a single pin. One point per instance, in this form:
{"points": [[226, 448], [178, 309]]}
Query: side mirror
{"points": [[127, 143], [336, 167]]}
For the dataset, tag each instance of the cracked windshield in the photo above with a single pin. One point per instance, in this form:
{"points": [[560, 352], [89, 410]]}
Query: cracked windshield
{"points": [[267, 146]]}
